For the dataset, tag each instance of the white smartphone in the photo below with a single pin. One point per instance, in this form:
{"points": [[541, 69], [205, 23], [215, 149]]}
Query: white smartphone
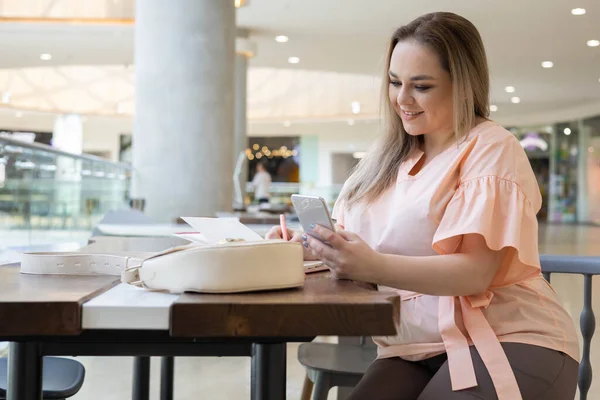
{"points": [[312, 210]]}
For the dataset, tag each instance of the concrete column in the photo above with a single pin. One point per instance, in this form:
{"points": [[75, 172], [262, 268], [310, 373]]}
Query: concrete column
{"points": [[183, 125], [245, 49]]}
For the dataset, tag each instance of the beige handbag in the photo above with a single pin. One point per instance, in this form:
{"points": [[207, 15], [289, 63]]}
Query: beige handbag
{"points": [[230, 266]]}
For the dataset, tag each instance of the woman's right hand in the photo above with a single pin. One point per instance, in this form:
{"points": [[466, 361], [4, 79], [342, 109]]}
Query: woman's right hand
{"points": [[275, 233]]}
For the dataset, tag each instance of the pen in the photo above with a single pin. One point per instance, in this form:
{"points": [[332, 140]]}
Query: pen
{"points": [[284, 233]]}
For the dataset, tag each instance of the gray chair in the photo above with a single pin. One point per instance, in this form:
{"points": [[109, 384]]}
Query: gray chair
{"points": [[588, 267], [62, 378], [329, 365]]}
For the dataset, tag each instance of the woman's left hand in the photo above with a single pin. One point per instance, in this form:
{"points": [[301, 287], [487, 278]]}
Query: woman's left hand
{"points": [[349, 257]]}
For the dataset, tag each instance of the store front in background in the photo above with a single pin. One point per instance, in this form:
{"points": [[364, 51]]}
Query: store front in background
{"points": [[281, 156], [537, 143], [565, 158], [593, 169]]}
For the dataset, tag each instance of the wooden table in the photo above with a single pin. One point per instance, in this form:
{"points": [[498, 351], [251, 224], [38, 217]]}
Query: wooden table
{"points": [[43, 315]]}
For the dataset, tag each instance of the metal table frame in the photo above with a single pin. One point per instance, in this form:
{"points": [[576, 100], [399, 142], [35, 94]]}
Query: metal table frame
{"points": [[268, 365]]}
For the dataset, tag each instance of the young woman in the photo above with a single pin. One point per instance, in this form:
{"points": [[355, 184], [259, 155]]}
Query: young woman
{"points": [[443, 211]]}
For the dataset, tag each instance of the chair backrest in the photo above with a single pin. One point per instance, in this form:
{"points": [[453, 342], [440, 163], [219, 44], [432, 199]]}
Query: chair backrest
{"points": [[588, 267]]}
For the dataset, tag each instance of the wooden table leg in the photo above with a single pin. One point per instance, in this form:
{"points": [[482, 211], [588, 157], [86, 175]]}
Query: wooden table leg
{"points": [[307, 388]]}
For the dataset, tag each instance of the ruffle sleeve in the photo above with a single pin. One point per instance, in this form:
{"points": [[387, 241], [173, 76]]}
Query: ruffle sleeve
{"points": [[496, 209]]}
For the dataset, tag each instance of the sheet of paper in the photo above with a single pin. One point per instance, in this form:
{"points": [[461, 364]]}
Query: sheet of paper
{"points": [[215, 229], [193, 237]]}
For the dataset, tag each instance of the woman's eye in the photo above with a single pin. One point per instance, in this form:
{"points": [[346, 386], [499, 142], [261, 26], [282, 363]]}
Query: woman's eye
{"points": [[395, 83], [422, 88]]}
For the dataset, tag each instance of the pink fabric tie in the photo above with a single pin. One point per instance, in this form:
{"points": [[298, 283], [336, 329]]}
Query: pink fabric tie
{"points": [[462, 372]]}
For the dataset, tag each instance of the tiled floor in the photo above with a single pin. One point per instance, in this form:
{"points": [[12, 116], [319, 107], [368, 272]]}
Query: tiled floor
{"points": [[229, 378], [195, 378]]}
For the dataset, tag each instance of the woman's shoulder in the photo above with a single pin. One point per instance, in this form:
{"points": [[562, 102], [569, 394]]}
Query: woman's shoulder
{"points": [[491, 150]]}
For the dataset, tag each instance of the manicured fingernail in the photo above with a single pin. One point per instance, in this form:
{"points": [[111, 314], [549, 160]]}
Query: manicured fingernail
{"points": [[304, 237], [305, 244], [312, 226]]}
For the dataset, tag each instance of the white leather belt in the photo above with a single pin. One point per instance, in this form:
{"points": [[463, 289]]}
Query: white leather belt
{"points": [[76, 264]]}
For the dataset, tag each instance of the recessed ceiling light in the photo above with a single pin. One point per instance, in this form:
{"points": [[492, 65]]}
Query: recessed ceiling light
{"points": [[293, 60], [287, 124], [567, 131], [350, 122], [281, 38], [6, 97], [547, 64], [493, 108], [578, 11], [510, 89], [45, 56], [515, 100], [593, 43], [355, 106], [18, 114]]}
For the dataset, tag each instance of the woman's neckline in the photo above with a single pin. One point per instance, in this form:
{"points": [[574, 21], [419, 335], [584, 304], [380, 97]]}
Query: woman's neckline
{"points": [[418, 154]]}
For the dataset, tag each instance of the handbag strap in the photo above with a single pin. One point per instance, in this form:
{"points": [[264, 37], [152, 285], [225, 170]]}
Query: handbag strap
{"points": [[73, 263]]}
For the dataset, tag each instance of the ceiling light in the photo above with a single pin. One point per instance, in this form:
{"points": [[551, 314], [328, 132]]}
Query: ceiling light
{"points": [[358, 154], [515, 100], [355, 107], [510, 89], [240, 3], [493, 108], [567, 131], [593, 43], [578, 11], [6, 97], [351, 122], [281, 39], [293, 60], [45, 56], [547, 64], [18, 114], [287, 124]]}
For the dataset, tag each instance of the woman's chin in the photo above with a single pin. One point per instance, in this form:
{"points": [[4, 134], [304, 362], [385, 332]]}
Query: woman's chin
{"points": [[411, 130]]}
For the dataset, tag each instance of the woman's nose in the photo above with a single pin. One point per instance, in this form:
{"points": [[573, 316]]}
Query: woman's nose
{"points": [[404, 97]]}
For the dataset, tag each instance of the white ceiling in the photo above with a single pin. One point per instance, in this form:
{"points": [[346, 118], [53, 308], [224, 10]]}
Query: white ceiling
{"points": [[348, 36]]}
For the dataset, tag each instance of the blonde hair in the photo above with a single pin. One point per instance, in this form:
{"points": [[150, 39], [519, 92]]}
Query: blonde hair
{"points": [[461, 52]]}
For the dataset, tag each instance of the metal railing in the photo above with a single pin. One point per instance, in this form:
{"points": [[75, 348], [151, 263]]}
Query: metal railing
{"points": [[588, 267], [43, 188]]}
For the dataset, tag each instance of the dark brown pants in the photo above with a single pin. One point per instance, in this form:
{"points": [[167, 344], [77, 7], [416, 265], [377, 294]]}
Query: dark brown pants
{"points": [[542, 374]]}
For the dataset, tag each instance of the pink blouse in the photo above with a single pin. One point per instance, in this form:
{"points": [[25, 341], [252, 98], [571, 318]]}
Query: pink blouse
{"points": [[484, 185]]}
